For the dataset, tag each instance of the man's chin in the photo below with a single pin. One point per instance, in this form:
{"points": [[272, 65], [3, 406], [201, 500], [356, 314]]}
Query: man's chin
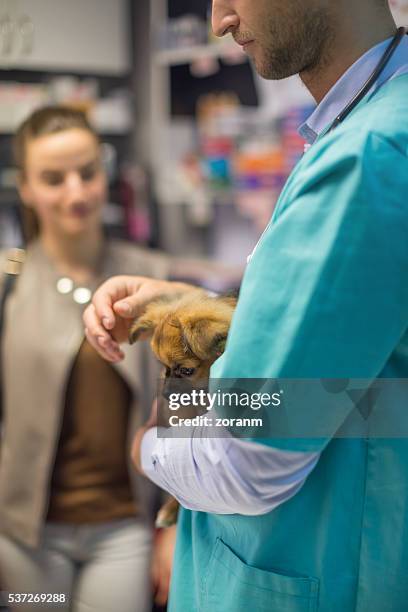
{"points": [[267, 72], [271, 69]]}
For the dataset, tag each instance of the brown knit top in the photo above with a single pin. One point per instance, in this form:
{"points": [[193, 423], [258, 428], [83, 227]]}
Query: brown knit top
{"points": [[90, 481]]}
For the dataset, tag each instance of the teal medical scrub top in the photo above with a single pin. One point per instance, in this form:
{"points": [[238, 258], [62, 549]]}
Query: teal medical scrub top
{"points": [[324, 295]]}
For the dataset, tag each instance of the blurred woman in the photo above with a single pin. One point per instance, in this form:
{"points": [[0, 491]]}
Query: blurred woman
{"points": [[73, 518]]}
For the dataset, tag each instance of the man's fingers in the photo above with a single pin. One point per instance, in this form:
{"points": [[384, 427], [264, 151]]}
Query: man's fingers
{"points": [[108, 322], [115, 302], [128, 309], [106, 348], [111, 291], [99, 337], [139, 296], [127, 296], [110, 349], [102, 303], [93, 326], [135, 302]]}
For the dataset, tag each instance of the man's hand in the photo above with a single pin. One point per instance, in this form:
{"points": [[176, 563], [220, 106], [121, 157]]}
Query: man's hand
{"points": [[163, 552], [114, 307]]}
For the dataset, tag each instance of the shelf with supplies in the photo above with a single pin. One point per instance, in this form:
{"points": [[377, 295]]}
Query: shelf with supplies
{"points": [[108, 108], [221, 142]]}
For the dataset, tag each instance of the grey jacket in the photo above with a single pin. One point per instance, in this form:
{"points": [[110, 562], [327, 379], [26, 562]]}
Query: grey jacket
{"points": [[42, 334]]}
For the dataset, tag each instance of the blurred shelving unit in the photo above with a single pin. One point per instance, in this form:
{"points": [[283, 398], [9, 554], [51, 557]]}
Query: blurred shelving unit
{"points": [[199, 200], [168, 105]]}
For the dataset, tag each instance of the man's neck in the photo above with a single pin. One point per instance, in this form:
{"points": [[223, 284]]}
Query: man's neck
{"points": [[342, 52]]}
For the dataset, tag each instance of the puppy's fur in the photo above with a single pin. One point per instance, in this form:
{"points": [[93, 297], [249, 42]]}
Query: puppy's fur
{"points": [[188, 333]]}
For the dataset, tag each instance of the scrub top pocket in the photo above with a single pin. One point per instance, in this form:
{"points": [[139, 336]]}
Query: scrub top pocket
{"points": [[231, 585]]}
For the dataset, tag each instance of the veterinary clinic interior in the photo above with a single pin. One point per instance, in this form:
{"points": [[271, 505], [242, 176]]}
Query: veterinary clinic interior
{"points": [[185, 151]]}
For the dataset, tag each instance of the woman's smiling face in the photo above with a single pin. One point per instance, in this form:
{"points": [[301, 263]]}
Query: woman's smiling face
{"points": [[63, 181]]}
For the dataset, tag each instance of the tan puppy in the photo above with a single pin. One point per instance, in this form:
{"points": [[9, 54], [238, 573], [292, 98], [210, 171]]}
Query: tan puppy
{"points": [[188, 333]]}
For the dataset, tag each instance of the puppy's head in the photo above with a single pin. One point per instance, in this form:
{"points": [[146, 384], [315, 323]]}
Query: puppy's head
{"points": [[188, 333]]}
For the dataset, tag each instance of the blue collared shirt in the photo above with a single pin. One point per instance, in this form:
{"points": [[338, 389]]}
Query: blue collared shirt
{"points": [[227, 475], [351, 82]]}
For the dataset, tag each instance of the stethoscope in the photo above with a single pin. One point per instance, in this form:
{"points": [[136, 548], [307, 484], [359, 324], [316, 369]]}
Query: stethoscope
{"points": [[372, 79], [399, 35]]}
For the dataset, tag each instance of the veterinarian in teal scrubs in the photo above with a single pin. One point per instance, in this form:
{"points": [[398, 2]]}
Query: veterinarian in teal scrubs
{"points": [[325, 295]]}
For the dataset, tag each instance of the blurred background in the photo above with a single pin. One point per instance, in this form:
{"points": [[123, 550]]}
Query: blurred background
{"points": [[197, 147]]}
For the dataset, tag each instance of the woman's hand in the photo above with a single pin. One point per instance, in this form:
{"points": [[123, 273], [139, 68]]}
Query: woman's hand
{"points": [[115, 305], [162, 562]]}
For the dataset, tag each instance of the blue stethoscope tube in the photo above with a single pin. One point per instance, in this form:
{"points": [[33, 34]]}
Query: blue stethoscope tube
{"points": [[372, 78]]}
